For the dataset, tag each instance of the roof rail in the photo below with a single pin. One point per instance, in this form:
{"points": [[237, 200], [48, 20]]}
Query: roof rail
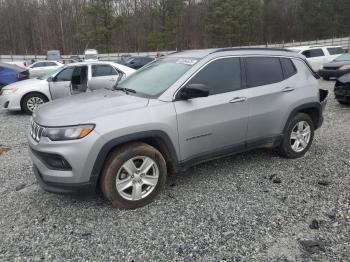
{"points": [[250, 48]]}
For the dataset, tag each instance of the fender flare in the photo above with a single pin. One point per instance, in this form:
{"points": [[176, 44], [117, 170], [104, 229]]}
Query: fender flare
{"points": [[139, 136], [313, 105]]}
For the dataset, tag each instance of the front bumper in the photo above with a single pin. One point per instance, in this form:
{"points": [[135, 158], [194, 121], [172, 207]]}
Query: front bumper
{"points": [[79, 154], [342, 94], [10, 102], [326, 73], [65, 188]]}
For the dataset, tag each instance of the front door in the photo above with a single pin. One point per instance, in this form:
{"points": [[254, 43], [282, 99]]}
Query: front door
{"points": [[61, 83], [216, 123]]}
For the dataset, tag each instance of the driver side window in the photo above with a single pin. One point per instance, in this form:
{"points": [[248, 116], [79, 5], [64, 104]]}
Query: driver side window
{"points": [[65, 75], [220, 76]]}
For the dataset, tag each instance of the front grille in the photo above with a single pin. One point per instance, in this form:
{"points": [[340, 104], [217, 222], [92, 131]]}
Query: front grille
{"points": [[36, 131], [331, 68]]}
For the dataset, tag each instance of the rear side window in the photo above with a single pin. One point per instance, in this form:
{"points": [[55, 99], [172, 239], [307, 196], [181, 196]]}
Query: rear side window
{"points": [[220, 76], [313, 53], [288, 67], [262, 71], [335, 50], [103, 70]]}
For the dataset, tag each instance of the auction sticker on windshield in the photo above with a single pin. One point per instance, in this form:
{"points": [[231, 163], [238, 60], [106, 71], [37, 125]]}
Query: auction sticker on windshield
{"points": [[186, 61]]}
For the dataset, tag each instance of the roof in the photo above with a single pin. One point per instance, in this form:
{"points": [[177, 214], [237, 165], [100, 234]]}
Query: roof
{"points": [[234, 51], [302, 48]]}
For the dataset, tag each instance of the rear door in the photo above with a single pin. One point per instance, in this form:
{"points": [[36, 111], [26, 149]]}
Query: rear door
{"points": [[272, 82], [218, 122], [103, 76], [60, 86]]}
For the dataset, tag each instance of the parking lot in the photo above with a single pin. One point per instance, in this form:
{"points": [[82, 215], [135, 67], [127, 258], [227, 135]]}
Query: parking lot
{"points": [[254, 206]]}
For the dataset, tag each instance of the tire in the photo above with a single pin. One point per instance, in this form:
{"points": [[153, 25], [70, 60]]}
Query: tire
{"points": [[286, 148], [132, 156], [33, 99]]}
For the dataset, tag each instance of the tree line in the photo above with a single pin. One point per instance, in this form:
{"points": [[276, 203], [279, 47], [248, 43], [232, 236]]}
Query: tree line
{"points": [[35, 26]]}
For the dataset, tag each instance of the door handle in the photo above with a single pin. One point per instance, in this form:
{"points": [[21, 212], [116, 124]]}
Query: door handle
{"points": [[238, 100], [288, 89]]}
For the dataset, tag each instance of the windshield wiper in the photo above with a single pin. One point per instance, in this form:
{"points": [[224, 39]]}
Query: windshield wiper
{"points": [[125, 90]]}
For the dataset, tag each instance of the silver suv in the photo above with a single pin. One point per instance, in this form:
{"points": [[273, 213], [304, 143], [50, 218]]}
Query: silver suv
{"points": [[176, 112]]}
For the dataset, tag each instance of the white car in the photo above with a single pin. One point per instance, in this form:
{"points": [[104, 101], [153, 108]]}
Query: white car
{"points": [[91, 55], [69, 80], [317, 55], [42, 68]]}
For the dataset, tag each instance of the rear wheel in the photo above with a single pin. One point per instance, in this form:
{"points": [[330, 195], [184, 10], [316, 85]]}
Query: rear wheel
{"points": [[298, 137], [133, 176], [31, 102]]}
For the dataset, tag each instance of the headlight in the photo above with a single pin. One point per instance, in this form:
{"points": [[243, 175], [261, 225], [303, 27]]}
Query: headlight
{"points": [[347, 67], [68, 133], [10, 90]]}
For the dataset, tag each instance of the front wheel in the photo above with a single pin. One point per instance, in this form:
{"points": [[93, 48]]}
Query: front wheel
{"points": [[133, 175], [31, 102], [298, 137]]}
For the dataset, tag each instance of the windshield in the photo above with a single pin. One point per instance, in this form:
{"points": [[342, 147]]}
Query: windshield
{"points": [[91, 57], [153, 79], [52, 73], [344, 57]]}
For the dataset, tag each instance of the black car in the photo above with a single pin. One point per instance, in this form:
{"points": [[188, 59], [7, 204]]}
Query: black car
{"points": [[342, 89], [138, 62], [337, 68]]}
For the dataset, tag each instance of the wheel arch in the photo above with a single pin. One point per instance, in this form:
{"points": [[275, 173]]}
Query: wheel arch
{"points": [[32, 92], [314, 110], [155, 138]]}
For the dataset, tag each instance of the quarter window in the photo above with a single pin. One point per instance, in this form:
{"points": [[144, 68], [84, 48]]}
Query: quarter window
{"points": [[263, 71], [313, 53], [103, 70], [220, 76], [288, 68]]}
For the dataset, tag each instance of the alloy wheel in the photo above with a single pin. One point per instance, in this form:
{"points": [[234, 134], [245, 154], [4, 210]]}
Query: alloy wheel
{"points": [[300, 136], [34, 102], [137, 178]]}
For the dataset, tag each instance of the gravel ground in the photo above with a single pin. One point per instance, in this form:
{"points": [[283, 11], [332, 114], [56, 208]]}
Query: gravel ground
{"points": [[254, 206]]}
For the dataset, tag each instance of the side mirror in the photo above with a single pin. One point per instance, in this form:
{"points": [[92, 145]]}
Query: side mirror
{"points": [[193, 91], [51, 79]]}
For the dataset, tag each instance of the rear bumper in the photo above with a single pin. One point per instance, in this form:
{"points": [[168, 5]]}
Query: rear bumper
{"points": [[59, 188], [332, 73]]}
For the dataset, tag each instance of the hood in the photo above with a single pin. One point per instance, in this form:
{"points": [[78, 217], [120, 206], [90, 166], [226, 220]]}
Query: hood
{"points": [[337, 64], [25, 83], [84, 108]]}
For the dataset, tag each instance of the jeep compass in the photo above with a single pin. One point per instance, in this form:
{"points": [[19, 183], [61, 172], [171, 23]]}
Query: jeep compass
{"points": [[176, 112]]}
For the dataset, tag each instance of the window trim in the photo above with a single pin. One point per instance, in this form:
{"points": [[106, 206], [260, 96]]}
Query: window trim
{"points": [[175, 98]]}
